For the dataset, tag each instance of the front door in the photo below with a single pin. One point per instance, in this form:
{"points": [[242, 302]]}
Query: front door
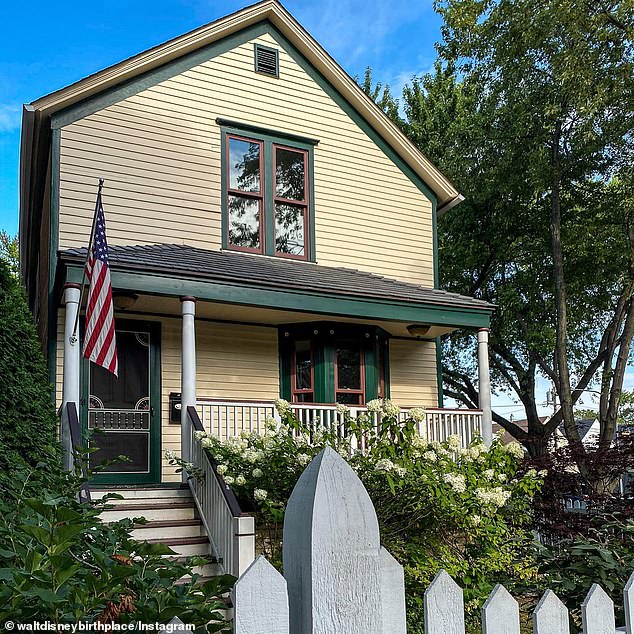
{"points": [[122, 415]]}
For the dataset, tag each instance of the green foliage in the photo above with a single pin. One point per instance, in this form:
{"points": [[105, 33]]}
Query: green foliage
{"points": [[60, 563], [381, 95], [465, 510], [27, 417], [10, 252], [604, 556]]}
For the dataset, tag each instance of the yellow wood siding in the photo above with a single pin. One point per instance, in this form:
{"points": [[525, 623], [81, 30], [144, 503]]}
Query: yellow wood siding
{"points": [[159, 152], [413, 379]]}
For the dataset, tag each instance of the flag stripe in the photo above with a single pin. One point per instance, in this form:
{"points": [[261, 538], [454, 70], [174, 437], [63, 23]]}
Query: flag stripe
{"points": [[100, 344]]}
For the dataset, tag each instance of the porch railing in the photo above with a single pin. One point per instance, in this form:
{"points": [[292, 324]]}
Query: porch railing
{"points": [[230, 530], [228, 418]]}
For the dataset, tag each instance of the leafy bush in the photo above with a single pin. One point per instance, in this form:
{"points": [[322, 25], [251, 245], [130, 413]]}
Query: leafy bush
{"points": [[27, 417], [60, 563], [439, 506]]}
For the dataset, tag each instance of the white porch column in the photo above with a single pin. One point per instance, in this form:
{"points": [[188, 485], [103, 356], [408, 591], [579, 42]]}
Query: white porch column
{"points": [[188, 372], [72, 357], [484, 386]]}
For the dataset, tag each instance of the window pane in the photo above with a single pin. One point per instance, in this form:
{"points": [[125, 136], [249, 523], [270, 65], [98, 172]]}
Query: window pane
{"points": [[348, 367], [289, 174], [346, 398], [289, 229], [304, 397], [303, 366], [244, 222], [244, 165]]}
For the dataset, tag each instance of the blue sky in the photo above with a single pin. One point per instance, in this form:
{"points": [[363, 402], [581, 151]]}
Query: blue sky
{"points": [[46, 46]]}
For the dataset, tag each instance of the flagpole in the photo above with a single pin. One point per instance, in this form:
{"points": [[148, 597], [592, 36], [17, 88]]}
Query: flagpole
{"points": [[73, 338]]}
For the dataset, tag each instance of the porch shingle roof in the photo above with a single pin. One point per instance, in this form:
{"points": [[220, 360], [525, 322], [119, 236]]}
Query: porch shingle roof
{"points": [[278, 273]]}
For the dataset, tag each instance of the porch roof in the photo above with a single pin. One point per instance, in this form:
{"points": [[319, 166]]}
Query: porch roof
{"points": [[172, 269]]}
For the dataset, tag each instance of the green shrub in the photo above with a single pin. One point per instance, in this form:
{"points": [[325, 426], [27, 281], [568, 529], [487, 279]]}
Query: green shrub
{"points": [[27, 416], [60, 563], [465, 510]]}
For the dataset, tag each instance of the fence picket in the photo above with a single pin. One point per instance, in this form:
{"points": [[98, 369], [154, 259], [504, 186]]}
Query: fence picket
{"points": [[500, 613], [444, 606], [551, 615], [628, 602], [597, 612], [392, 594], [260, 600]]}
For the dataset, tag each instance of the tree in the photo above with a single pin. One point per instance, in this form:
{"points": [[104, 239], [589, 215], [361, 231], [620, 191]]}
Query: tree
{"points": [[381, 95], [9, 252], [27, 417], [530, 111]]}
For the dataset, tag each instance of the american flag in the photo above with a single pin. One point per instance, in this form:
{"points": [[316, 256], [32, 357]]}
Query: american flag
{"points": [[100, 345]]}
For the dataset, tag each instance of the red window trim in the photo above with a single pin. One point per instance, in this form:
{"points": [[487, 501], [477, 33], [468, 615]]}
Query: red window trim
{"points": [[294, 390], [360, 392], [302, 204], [259, 196]]}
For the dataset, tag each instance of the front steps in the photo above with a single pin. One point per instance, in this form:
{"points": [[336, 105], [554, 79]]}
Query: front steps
{"points": [[172, 519]]}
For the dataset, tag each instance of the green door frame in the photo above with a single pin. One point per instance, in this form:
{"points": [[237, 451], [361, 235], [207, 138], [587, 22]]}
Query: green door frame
{"points": [[154, 475]]}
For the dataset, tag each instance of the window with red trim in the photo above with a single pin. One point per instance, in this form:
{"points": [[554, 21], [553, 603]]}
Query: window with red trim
{"points": [[349, 373], [303, 372]]}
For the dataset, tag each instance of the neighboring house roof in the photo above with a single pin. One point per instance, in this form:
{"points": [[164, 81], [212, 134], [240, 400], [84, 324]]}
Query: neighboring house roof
{"points": [[587, 428], [231, 267], [36, 128], [521, 423]]}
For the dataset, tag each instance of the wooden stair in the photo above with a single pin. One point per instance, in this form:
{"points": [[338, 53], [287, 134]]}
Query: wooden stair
{"points": [[171, 519]]}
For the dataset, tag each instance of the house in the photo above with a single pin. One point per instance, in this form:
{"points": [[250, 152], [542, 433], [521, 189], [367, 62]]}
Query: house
{"points": [[272, 234]]}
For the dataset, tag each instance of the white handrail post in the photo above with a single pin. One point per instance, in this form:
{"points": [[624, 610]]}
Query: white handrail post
{"points": [[188, 373], [484, 386], [72, 357], [243, 544]]}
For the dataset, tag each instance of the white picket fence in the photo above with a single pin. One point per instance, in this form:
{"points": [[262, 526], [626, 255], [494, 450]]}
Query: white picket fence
{"points": [[339, 580]]}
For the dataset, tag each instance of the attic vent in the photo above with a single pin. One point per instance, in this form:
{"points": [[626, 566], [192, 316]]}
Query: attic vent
{"points": [[266, 60]]}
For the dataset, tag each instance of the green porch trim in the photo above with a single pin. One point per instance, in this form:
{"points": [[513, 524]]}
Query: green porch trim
{"points": [[323, 304], [441, 396], [434, 226], [53, 244]]}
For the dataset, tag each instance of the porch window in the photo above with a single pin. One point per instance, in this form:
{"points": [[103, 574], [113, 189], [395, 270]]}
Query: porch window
{"points": [[303, 377], [333, 363], [267, 194]]}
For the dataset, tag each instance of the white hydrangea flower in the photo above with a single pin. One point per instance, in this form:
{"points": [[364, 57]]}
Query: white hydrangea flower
{"points": [[199, 435], [342, 409], [430, 455], [270, 423], [260, 456], [502, 477], [303, 459], [453, 442], [391, 409], [515, 449], [260, 495], [497, 496], [531, 473], [385, 464], [488, 474], [363, 419], [543, 473], [170, 455], [257, 473], [241, 480], [229, 480], [419, 442], [282, 406], [250, 456], [417, 414], [374, 405], [401, 472], [475, 520], [465, 454], [207, 443], [222, 469], [456, 481]]}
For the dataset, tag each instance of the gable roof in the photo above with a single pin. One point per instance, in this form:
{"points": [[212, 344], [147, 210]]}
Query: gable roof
{"points": [[275, 273]]}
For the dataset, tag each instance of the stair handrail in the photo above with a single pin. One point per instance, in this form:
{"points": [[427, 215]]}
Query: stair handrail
{"points": [[237, 549]]}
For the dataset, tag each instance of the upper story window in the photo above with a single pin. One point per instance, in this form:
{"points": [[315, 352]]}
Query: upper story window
{"points": [[267, 187]]}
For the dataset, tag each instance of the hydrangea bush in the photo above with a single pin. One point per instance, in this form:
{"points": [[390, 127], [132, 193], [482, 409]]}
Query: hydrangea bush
{"points": [[467, 510]]}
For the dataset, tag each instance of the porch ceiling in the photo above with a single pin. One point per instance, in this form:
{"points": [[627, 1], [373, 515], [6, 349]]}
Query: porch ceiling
{"points": [[257, 289]]}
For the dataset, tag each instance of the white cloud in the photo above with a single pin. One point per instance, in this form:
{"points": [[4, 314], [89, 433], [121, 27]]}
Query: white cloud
{"points": [[10, 116]]}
